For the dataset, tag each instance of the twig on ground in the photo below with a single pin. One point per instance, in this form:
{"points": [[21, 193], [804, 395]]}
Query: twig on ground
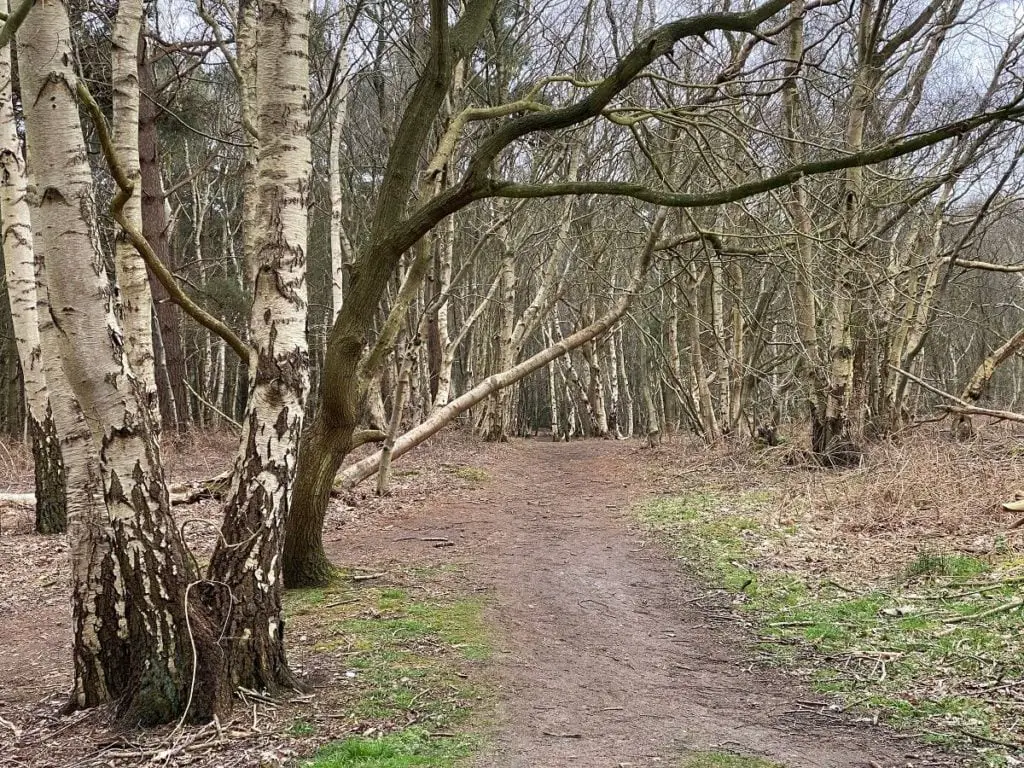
{"points": [[1015, 745], [425, 538], [8, 724], [1007, 606]]}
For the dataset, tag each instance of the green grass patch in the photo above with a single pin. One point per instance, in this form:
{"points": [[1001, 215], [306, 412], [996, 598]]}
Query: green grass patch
{"points": [[936, 647], [402, 749], [301, 728], [930, 565], [408, 654], [724, 760]]}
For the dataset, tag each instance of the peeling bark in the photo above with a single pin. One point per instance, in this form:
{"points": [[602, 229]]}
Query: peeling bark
{"points": [[129, 568], [248, 553], [19, 260]]}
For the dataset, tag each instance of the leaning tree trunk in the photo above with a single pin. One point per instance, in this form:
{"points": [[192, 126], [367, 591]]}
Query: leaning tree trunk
{"points": [[247, 556], [331, 433], [440, 418], [16, 237], [978, 384], [141, 625]]}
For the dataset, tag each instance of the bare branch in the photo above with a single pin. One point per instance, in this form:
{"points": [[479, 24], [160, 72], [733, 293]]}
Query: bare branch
{"points": [[153, 262]]}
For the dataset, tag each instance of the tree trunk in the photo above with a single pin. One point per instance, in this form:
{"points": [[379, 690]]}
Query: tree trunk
{"points": [[155, 226], [736, 352], [341, 249], [384, 474], [136, 301], [650, 410], [136, 621], [247, 556], [979, 381], [708, 418], [613, 385], [19, 260], [496, 422]]}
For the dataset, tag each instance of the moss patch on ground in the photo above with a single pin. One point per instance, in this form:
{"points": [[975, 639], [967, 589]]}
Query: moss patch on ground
{"points": [[936, 647], [409, 657]]}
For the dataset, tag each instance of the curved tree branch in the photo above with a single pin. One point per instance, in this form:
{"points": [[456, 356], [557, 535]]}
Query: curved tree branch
{"points": [[153, 262], [878, 154]]}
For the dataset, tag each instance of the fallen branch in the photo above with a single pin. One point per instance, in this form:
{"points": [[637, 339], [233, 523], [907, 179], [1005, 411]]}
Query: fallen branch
{"points": [[973, 410], [214, 488], [1015, 745], [1008, 606], [355, 473], [424, 538], [962, 407], [929, 387]]}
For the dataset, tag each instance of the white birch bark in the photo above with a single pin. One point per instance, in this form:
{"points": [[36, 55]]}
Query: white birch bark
{"points": [[341, 248], [17, 246], [248, 552], [614, 409], [627, 390], [119, 462], [136, 301], [444, 372], [19, 260], [552, 390], [498, 412], [708, 417], [246, 38]]}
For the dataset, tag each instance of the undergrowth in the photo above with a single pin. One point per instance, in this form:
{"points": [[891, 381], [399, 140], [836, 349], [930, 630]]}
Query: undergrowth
{"points": [[410, 701], [936, 646]]}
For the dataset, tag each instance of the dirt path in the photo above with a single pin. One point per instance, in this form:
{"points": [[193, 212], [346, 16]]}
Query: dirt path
{"points": [[605, 656]]}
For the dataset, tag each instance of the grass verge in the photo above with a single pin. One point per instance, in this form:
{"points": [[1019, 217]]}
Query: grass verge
{"points": [[936, 647], [407, 670]]}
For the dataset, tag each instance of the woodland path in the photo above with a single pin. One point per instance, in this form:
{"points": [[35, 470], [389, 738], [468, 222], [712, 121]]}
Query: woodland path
{"points": [[605, 652]]}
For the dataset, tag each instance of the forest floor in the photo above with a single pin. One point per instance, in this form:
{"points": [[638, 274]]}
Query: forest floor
{"points": [[599, 604]]}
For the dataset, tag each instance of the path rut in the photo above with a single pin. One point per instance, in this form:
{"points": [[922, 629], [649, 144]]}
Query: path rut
{"points": [[607, 656]]}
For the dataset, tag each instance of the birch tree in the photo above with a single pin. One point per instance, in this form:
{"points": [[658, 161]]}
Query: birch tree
{"points": [[19, 260], [140, 619]]}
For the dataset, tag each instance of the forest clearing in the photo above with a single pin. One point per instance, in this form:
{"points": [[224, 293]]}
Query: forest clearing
{"points": [[525, 601], [545, 382]]}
